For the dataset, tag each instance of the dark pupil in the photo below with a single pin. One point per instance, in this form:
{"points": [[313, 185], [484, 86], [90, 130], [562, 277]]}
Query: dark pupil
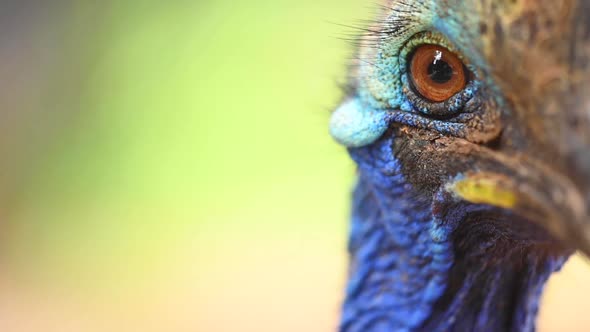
{"points": [[440, 72]]}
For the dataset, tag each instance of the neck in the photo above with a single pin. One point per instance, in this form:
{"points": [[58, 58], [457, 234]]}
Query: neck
{"points": [[410, 272]]}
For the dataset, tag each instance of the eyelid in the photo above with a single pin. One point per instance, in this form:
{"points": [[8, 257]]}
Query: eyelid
{"points": [[432, 38]]}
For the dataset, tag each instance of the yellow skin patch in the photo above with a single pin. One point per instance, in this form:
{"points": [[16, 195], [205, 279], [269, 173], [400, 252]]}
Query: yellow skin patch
{"points": [[484, 190]]}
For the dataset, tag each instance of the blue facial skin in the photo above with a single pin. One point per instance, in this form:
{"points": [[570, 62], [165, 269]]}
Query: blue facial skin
{"points": [[402, 257], [399, 268], [406, 273]]}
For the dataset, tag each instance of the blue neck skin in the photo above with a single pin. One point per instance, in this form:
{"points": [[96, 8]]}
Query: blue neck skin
{"points": [[412, 271]]}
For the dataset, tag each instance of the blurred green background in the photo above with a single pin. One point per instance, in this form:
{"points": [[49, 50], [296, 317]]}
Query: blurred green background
{"points": [[167, 167]]}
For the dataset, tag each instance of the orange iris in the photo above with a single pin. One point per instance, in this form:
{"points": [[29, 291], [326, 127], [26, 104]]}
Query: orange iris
{"points": [[437, 73]]}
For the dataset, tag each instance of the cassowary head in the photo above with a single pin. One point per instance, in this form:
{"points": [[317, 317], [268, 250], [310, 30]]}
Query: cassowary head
{"points": [[470, 125]]}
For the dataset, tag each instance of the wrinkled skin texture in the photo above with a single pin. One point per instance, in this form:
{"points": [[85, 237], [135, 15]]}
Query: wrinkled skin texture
{"points": [[426, 254]]}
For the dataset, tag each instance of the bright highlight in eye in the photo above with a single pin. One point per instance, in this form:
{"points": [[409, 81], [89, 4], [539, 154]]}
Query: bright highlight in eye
{"points": [[436, 73]]}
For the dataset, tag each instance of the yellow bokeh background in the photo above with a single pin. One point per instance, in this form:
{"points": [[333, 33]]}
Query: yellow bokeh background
{"points": [[167, 167]]}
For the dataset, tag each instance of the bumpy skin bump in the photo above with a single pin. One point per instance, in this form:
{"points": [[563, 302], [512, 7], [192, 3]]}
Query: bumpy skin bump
{"points": [[464, 208], [354, 125]]}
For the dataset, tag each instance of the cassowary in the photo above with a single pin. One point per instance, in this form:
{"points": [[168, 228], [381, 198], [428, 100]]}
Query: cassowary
{"points": [[470, 125]]}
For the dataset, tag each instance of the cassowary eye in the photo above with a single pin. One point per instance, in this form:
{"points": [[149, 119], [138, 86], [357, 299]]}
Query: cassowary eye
{"points": [[436, 73]]}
